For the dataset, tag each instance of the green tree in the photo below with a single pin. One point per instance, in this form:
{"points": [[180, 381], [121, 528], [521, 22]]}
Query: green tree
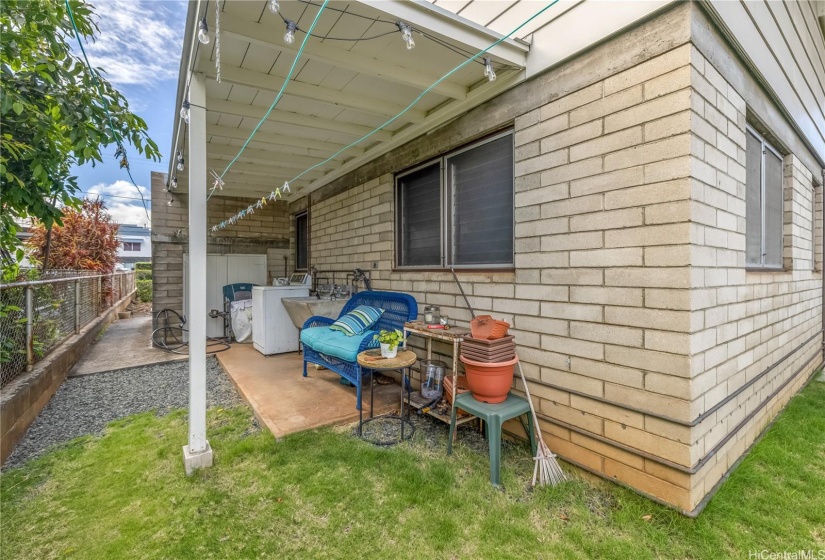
{"points": [[53, 113]]}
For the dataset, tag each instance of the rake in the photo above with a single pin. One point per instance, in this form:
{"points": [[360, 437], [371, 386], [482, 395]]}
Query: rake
{"points": [[547, 469]]}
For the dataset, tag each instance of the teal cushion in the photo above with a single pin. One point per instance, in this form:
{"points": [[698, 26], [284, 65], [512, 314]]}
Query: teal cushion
{"points": [[358, 320], [335, 343]]}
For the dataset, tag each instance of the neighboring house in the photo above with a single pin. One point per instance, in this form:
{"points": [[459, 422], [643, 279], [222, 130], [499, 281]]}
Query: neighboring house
{"points": [[639, 194], [135, 245]]}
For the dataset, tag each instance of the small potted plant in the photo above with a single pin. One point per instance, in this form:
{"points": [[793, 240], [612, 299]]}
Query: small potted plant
{"points": [[389, 341]]}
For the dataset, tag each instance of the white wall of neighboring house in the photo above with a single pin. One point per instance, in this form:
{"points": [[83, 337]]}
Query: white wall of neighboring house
{"points": [[135, 245]]}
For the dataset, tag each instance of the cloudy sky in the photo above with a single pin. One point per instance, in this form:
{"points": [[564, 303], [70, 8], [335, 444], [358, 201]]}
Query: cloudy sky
{"points": [[138, 47]]}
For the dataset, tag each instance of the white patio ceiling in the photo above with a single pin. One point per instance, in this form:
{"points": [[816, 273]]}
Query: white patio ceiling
{"points": [[340, 90]]}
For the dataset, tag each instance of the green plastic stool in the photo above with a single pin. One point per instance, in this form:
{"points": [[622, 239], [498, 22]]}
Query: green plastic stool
{"points": [[494, 415]]}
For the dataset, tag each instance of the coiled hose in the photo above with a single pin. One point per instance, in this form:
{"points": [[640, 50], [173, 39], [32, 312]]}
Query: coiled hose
{"points": [[168, 336]]}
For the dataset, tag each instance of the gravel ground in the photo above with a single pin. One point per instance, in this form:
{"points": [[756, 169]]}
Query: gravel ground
{"points": [[84, 405], [430, 434]]}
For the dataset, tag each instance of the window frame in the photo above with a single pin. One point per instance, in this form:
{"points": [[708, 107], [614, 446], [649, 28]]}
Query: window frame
{"points": [[131, 245], [447, 210], [762, 267], [302, 215]]}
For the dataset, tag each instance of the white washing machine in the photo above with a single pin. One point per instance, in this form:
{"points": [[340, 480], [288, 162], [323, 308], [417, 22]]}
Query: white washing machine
{"points": [[272, 329]]}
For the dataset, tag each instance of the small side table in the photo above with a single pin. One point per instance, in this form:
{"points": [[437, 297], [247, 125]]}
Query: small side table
{"points": [[371, 360]]}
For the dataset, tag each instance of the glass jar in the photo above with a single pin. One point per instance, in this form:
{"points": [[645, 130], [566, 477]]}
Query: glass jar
{"points": [[432, 314]]}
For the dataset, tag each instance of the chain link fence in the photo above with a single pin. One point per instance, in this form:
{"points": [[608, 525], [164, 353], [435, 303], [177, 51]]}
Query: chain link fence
{"points": [[37, 316]]}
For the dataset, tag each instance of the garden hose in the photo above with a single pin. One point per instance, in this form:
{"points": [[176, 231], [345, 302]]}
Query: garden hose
{"points": [[175, 332]]}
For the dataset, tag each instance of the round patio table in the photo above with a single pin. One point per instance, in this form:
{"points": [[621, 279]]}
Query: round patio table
{"points": [[373, 361]]}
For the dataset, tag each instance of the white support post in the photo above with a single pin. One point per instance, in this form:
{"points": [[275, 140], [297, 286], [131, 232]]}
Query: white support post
{"points": [[198, 453]]}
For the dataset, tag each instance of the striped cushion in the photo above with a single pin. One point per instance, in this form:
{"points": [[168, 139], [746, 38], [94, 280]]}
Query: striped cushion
{"points": [[358, 320]]}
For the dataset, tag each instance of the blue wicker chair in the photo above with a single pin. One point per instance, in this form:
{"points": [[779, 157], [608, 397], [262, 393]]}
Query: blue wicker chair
{"points": [[398, 309]]}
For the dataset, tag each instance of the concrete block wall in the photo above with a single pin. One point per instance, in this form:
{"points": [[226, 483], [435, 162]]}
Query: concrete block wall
{"points": [[630, 301], [600, 296], [744, 322], [167, 247]]}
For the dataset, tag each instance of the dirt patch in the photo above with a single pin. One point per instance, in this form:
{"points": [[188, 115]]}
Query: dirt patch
{"points": [[140, 308]]}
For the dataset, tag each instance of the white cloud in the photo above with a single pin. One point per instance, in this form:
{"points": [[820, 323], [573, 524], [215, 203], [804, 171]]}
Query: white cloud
{"points": [[139, 42], [123, 210]]}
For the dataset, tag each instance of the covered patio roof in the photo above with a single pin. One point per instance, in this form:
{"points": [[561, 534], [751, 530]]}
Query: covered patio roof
{"points": [[354, 75]]}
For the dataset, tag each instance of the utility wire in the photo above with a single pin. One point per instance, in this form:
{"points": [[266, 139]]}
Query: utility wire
{"points": [[108, 195], [105, 102]]}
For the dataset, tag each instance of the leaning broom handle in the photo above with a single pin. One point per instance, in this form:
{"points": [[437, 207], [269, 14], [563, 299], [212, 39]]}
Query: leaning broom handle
{"points": [[529, 399], [473, 313]]}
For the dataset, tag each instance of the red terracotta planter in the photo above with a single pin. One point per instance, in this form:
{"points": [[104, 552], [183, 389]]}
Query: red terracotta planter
{"points": [[489, 382]]}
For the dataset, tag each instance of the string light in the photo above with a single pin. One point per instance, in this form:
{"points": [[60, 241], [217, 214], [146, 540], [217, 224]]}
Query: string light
{"points": [[203, 31], [277, 98], [184, 111], [274, 6], [180, 161], [406, 34], [173, 184], [488, 70], [289, 36], [426, 91], [218, 40], [121, 153], [171, 201]]}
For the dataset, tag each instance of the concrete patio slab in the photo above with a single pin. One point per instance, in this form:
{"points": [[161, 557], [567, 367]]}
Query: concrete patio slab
{"points": [[127, 343], [285, 402]]}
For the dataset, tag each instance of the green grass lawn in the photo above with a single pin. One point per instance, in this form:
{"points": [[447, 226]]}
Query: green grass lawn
{"points": [[324, 494]]}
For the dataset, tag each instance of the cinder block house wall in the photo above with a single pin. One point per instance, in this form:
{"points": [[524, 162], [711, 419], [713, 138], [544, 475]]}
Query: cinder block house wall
{"points": [[633, 311], [755, 335], [266, 232]]}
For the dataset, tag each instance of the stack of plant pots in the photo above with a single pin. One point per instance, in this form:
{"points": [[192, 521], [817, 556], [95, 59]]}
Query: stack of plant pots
{"points": [[489, 358]]}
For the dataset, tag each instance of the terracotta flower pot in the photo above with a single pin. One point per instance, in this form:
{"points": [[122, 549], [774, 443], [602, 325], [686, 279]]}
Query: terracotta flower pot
{"points": [[489, 382]]}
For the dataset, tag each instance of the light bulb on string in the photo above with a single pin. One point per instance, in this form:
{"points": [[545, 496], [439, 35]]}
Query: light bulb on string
{"points": [[184, 111], [173, 184], [406, 34], [180, 161], [289, 36], [171, 201], [274, 6], [203, 31], [488, 70]]}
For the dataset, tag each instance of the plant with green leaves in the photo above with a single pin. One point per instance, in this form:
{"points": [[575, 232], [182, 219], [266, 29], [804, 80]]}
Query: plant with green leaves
{"points": [[393, 338], [56, 113]]}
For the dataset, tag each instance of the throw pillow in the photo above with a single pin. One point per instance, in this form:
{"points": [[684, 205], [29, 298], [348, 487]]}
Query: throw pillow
{"points": [[358, 320]]}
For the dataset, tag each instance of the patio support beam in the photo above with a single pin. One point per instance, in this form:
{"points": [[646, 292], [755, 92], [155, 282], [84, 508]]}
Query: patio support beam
{"points": [[280, 140], [270, 157], [452, 28], [263, 170], [341, 99], [260, 34], [326, 125], [436, 119], [198, 453]]}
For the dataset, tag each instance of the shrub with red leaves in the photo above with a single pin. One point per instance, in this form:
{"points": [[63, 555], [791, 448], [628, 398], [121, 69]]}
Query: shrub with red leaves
{"points": [[86, 241]]}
